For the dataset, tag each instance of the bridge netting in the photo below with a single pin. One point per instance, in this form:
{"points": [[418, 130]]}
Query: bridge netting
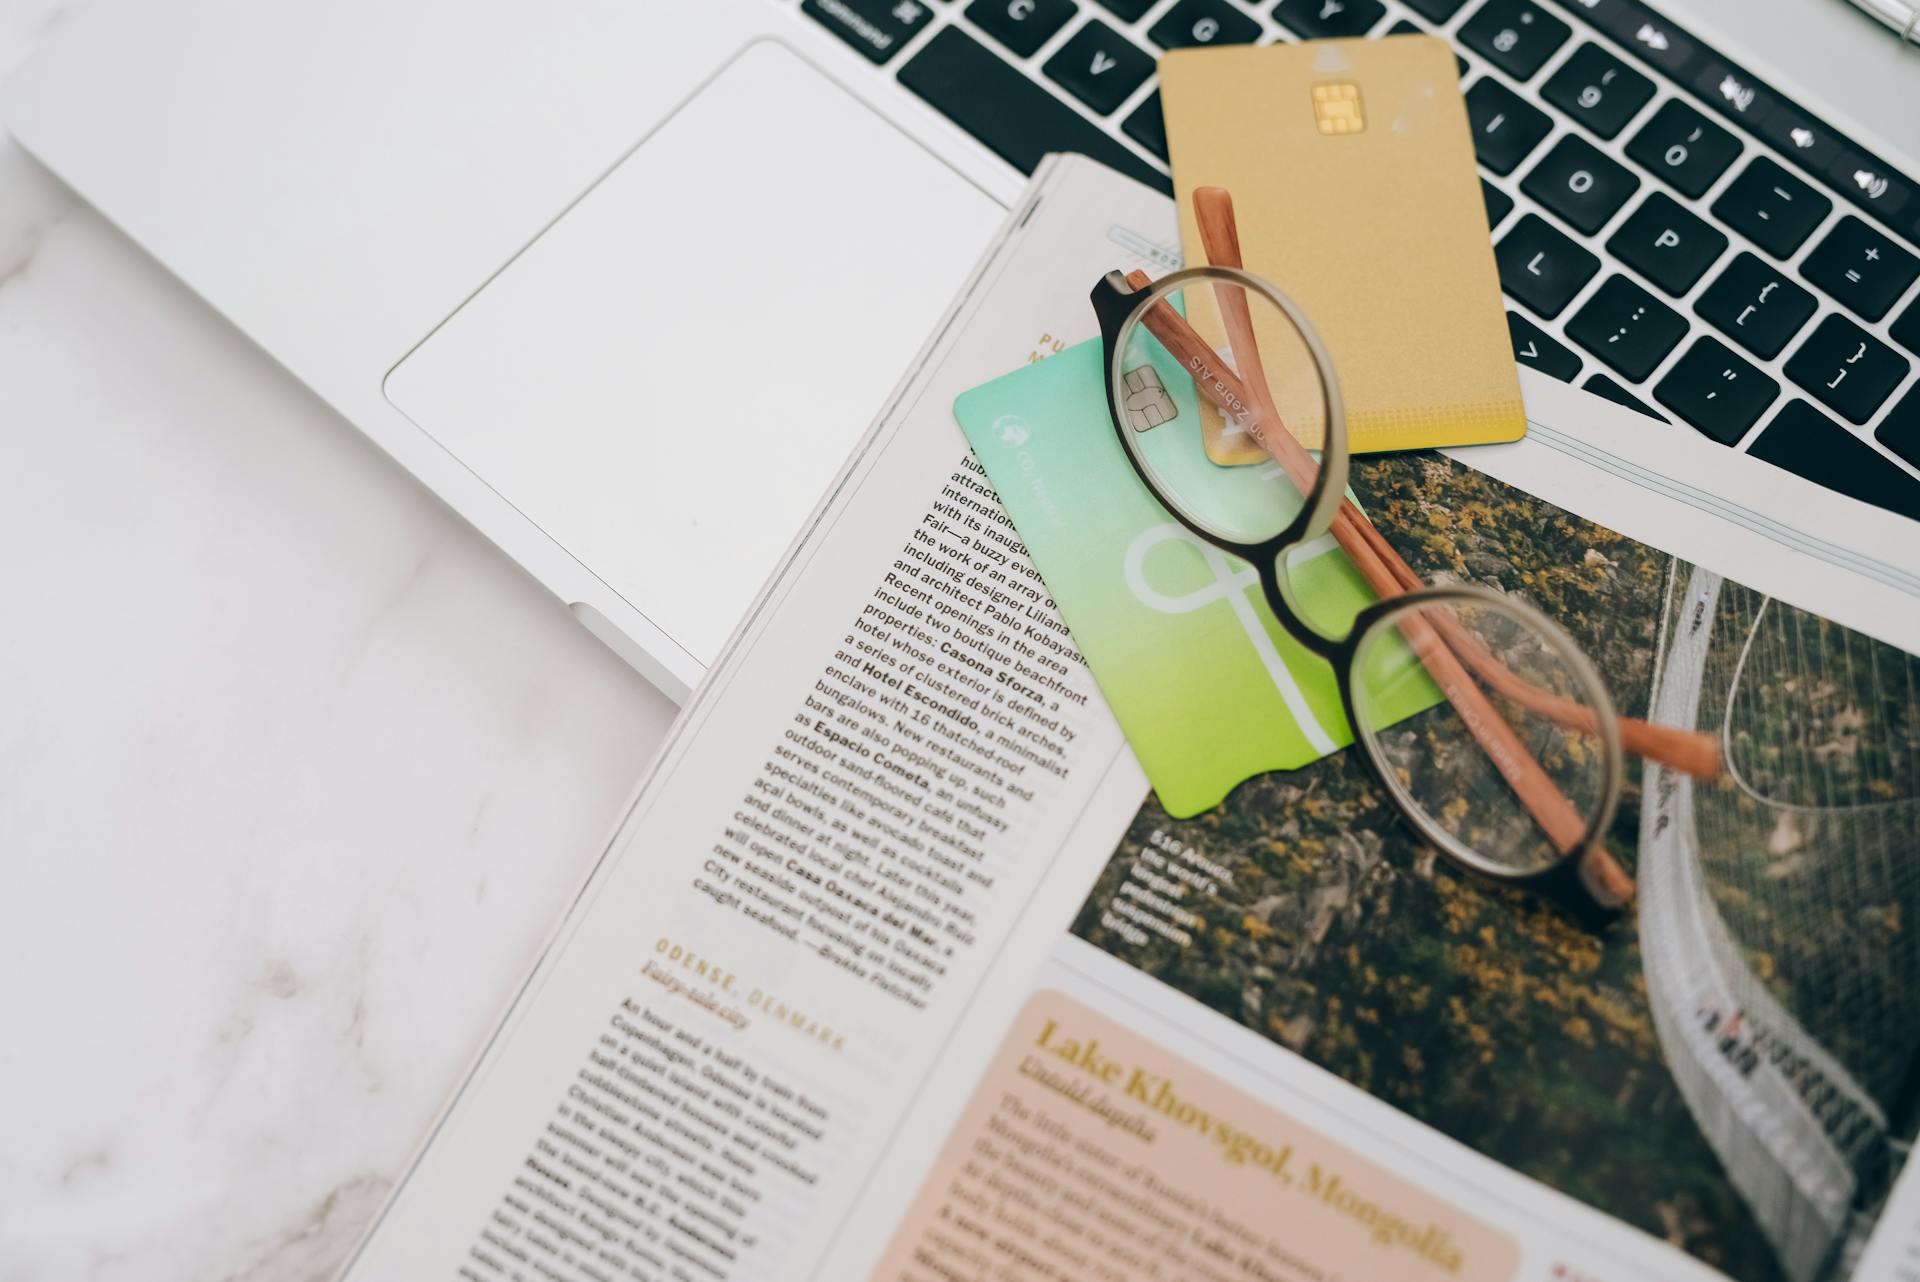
{"points": [[1780, 908]]}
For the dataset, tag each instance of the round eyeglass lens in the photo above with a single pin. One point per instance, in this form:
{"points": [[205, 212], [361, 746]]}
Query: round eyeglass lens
{"points": [[1486, 723], [1205, 372]]}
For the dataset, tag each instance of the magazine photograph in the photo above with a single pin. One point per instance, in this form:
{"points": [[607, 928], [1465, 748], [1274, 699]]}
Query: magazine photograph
{"points": [[1733, 1067]]}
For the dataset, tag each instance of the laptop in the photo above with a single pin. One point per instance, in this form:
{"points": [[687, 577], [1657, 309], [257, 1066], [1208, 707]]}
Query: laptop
{"points": [[622, 281]]}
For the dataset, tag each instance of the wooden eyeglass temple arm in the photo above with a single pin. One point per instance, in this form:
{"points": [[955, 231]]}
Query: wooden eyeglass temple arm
{"points": [[1557, 817], [1692, 751]]}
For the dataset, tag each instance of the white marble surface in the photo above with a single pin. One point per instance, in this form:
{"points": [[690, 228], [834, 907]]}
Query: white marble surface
{"points": [[296, 772]]}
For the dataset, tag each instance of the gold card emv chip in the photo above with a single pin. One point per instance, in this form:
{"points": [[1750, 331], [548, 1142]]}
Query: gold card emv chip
{"points": [[1320, 143], [1336, 108]]}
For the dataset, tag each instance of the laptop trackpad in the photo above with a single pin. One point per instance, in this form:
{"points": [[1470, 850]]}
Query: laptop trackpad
{"points": [[668, 378]]}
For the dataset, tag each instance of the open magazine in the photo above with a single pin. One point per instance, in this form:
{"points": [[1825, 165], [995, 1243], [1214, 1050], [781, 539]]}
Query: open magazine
{"points": [[895, 970]]}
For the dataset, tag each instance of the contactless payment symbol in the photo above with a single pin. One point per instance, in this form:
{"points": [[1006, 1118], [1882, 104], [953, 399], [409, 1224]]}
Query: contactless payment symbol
{"points": [[1146, 402], [1336, 108]]}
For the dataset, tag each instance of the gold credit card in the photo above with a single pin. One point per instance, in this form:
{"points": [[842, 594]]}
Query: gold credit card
{"points": [[1352, 172]]}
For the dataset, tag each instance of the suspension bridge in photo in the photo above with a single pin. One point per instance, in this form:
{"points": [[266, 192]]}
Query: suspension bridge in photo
{"points": [[1780, 909]]}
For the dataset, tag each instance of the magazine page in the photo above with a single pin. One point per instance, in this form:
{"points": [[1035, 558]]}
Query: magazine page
{"points": [[843, 831], [1282, 1039], [786, 1030]]}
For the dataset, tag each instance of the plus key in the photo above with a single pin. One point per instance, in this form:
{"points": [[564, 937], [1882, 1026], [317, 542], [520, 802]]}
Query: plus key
{"points": [[1861, 268]]}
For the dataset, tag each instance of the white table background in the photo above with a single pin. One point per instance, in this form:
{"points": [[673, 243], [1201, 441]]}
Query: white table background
{"points": [[296, 773]]}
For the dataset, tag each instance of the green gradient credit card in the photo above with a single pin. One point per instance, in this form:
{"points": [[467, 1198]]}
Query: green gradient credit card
{"points": [[1207, 686]]}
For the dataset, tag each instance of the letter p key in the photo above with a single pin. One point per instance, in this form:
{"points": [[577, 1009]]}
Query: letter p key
{"points": [[1667, 239]]}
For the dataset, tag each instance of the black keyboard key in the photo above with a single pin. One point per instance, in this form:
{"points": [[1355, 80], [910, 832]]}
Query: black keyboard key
{"points": [[1806, 141], [1847, 369], [1435, 10], [1755, 305], [1147, 126], [1101, 67], [1667, 244], [877, 28], [1325, 19], [1860, 268], [1601, 385], [1598, 90], [1542, 266], [1505, 126], [1533, 347], [1648, 37], [994, 101], [1127, 10], [1579, 182], [1203, 22], [1716, 391], [1870, 184], [1807, 443], [1734, 94], [1021, 25], [1499, 204], [1516, 36], [1899, 431], [1627, 327], [1906, 330], [1683, 147], [1771, 208]]}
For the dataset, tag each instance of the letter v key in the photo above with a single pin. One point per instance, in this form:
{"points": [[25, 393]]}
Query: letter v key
{"points": [[1102, 63]]}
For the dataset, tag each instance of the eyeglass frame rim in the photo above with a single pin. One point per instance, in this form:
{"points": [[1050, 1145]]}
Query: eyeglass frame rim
{"points": [[1115, 304]]}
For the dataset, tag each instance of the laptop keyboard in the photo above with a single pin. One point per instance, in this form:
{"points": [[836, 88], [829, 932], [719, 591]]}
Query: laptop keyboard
{"points": [[1671, 233]]}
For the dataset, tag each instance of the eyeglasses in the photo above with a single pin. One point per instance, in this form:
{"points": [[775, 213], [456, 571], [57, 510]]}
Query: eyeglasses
{"points": [[1484, 721]]}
